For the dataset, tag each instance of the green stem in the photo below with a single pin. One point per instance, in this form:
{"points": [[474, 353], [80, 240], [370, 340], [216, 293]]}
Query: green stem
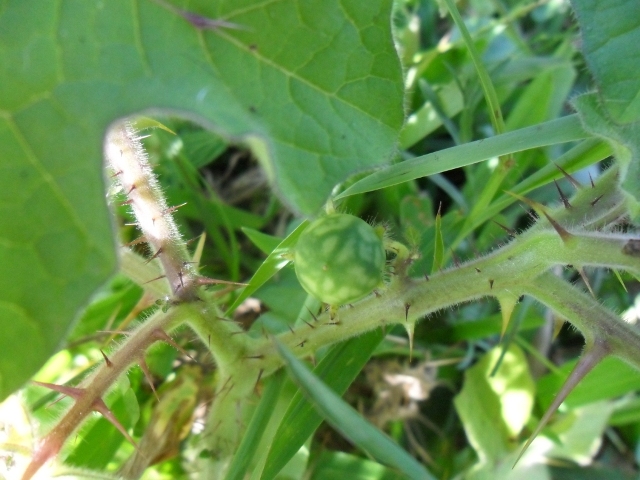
{"points": [[94, 388], [128, 160], [228, 342], [509, 270], [589, 316]]}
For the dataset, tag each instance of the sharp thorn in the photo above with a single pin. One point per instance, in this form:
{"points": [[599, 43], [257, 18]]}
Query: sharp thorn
{"points": [[531, 214], [138, 240], [191, 240], [410, 331], [72, 392], [147, 374], [133, 187], [596, 200], [564, 235], [101, 407], [490, 284], [115, 332], [173, 209], [565, 200], [592, 356], [106, 359], [585, 279], [311, 313], [214, 281], [478, 270], [591, 180], [155, 255], [407, 306], [161, 335], [307, 323], [571, 180], [511, 232], [426, 277], [154, 279], [291, 329]]}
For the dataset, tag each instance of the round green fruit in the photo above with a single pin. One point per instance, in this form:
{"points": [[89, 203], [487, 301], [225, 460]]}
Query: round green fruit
{"points": [[339, 259]]}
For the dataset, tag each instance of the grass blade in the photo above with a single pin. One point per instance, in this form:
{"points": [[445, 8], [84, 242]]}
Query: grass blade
{"points": [[438, 248], [337, 369], [272, 264], [561, 130], [259, 420], [346, 420]]}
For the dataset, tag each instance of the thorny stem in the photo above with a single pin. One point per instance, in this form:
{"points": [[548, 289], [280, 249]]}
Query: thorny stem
{"points": [[595, 322], [98, 384], [144, 273], [130, 166], [565, 237], [509, 270]]}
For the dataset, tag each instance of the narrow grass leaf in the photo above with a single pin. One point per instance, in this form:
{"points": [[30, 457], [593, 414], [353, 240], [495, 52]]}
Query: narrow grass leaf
{"points": [[438, 248], [561, 130], [272, 264], [490, 95], [348, 421], [266, 243], [259, 420], [337, 369]]}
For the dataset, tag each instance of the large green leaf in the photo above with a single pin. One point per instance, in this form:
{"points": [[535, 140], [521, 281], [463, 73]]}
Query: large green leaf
{"points": [[314, 87], [610, 37], [494, 409]]}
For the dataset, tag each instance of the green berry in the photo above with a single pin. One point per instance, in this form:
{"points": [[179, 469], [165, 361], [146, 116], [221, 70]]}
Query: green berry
{"points": [[339, 259]]}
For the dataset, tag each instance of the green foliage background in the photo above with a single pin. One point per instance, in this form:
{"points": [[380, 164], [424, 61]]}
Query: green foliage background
{"points": [[317, 91]]}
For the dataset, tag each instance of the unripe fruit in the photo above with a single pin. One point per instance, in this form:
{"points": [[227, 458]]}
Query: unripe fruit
{"points": [[339, 259]]}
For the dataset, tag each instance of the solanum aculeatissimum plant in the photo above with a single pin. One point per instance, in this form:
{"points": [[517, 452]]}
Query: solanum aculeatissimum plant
{"points": [[582, 231]]}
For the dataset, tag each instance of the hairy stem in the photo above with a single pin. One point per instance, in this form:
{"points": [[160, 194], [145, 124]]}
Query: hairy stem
{"points": [[93, 388], [594, 321], [509, 270], [127, 158]]}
